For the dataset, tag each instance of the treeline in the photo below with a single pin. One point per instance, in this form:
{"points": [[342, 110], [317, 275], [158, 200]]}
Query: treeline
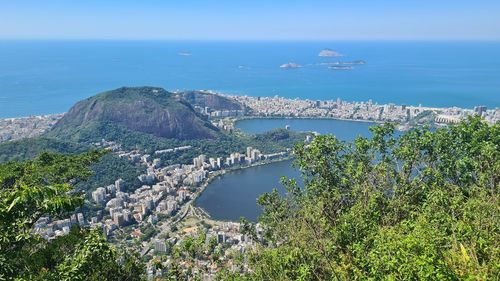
{"points": [[45, 186], [423, 206], [29, 148], [420, 206]]}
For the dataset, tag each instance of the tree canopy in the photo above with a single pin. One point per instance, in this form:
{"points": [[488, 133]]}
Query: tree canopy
{"points": [[44, 186], [421, 206]]}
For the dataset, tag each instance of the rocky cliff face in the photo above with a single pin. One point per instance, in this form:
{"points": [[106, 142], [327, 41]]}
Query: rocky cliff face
{"points": [[213, 101], [142, 109]]}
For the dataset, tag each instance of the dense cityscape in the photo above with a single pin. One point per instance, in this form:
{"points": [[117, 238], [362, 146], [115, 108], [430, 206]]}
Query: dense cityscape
{"points": [[157, 208], [26, 127], [249, 140], [265, 107], [160, 216], [367, 111]]}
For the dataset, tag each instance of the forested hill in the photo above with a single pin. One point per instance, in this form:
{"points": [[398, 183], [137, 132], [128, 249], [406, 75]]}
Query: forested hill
{"points": [[213, 101], [147, 110]]}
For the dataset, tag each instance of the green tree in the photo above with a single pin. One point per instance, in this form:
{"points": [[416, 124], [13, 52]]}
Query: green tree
{"points": [[44, 186], [421, 206]]}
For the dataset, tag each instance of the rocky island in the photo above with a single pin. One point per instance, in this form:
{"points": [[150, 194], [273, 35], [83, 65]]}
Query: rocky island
{"points": [[290, 65], [329, 53]]}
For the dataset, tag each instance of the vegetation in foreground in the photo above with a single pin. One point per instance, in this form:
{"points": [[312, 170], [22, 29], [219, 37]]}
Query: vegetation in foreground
{"points": [[44, 185], [423, 206], [420, 207]]}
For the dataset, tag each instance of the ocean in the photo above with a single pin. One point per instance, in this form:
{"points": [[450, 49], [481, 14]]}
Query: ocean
{"points": [[41, 77]]}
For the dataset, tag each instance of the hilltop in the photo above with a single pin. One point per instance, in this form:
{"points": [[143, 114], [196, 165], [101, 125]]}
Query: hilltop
{"points": [[148, 110]]}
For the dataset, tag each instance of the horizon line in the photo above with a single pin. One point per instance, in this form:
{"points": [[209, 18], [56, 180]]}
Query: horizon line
{"points": [[253, 39]]}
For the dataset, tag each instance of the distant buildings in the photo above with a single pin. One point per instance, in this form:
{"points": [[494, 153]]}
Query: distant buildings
{"points": [[26, 127], [99, 195], [369, 111], [160, 246], [480, 110]]}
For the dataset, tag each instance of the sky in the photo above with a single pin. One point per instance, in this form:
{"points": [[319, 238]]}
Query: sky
{"points": [[251, 19]]}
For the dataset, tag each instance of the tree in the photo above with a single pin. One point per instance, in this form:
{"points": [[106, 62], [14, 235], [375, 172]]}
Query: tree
{"points": [[423, 205], [44, 186], [94, 259]]}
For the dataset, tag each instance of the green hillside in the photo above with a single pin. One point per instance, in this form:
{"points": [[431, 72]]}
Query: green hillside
{"points": [[146, 110]]}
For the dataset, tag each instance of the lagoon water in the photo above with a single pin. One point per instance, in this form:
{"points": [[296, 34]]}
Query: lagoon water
{"points": [[342, 129], [39, 77], [234, 194]]}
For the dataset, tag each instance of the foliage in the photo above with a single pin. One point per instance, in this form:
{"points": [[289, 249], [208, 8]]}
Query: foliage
{"points": [[95, 259], [148, 231], [148, 110], [213, 101], [29, 148], [423, 206], [110, 168], [44, 186]]}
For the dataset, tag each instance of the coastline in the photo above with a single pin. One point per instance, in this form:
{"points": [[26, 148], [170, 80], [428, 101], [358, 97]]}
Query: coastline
{"points": [[404, 116]]}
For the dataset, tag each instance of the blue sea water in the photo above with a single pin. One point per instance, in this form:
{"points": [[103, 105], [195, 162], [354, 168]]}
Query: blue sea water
{"points": [[39, 77]]}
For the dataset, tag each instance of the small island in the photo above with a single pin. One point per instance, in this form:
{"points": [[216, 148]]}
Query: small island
{"points": [[290, 65], [329, 53]]}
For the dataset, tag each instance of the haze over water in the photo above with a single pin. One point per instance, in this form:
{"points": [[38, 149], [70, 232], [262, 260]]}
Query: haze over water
{"points": [[40, 77]]}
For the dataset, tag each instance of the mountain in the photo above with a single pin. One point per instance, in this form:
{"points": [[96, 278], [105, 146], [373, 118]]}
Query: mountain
{"points": [[213, 101], [148, 110]]}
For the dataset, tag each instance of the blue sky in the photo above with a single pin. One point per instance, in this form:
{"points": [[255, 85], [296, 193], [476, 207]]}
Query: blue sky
{"points": [[251, 19]]}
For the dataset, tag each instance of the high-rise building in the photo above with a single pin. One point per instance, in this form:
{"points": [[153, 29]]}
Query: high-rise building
{"points": [[160, 246], [221, 237], [81, 219], [255, 155], [111, 189], [480, 109], [118, 219], [127, 216], [99, 195], [203, 158], [196, 162], [249, 152], [213, 163], [120, 185]]}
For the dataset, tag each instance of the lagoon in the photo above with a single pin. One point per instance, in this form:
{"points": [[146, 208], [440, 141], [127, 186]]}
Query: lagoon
{"points": [[235, 194], [342, 129]]}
